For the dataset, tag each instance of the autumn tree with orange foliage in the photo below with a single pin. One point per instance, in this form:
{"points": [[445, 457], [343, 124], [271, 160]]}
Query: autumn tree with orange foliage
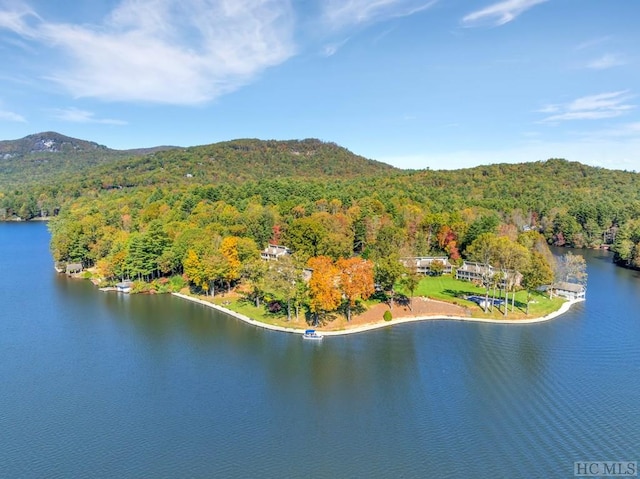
{"points": [[323, 292], [356, 280]]}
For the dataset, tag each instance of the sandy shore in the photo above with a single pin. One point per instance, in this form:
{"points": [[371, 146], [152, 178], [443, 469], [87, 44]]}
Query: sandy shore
{"points": [[382, 324]]}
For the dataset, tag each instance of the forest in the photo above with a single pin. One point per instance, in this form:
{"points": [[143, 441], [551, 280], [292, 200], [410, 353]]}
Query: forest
{"points": [[204, 214]]}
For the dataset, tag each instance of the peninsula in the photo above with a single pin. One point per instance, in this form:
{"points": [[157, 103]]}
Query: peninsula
{"points": [[438, 310]]}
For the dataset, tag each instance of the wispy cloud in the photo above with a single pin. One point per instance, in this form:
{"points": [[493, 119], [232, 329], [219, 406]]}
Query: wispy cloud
{"points": [[340, 17], [6, 115], [606, 61], [592, 107], [593, 42], [165, 51], [11, 116], [76, 115], [17, 19], [499, 13], [343, 13], [332, 48]]}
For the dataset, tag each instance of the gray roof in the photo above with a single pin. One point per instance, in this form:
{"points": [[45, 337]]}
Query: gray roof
{"points": [[573, 287]]}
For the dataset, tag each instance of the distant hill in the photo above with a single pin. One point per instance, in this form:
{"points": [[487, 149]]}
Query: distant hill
{"points": [[43, 157], [240, 160], [50, 158], [46, 142]]}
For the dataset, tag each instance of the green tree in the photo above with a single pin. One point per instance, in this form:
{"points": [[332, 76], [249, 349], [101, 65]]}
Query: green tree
{"points": [[511, 258], [255, 273], [538, 273], [484, 250], [387, 271], [410, 280], [284, 280]]}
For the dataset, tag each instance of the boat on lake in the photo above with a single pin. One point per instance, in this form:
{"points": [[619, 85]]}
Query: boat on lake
{"points": [[311, 334]]}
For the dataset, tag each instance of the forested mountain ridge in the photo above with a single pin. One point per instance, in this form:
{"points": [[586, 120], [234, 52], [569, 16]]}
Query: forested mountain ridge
{"points": [[45, 142], [52, 142], [45, 157], [407, 213], [49, 160], [238, 161]]}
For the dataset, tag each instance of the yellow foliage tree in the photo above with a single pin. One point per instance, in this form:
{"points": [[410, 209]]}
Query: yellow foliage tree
{"points": [[229, 251], [193, 269]]}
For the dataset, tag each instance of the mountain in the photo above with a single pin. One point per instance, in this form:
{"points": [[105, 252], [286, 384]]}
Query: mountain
{"points": [[51, 158], [239, 161], [47, 142], [43, 157], [52, 142], [39, 172]]}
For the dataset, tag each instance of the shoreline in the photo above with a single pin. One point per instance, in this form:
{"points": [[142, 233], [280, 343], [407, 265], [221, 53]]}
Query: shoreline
{"points": [[383, 324]]}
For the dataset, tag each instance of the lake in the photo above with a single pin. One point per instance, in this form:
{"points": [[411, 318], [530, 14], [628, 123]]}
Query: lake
{"points": [[96, 384]]}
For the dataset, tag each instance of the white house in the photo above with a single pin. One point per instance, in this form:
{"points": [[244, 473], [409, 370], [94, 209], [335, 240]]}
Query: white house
{"points": [[471, 271], [124, 286], [274, 252], [569, 290], [422, 264]]}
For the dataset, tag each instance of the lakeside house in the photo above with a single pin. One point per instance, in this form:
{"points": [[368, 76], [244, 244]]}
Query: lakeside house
{"points": [[478, 272], [472, 271], [124, 286], [73, 268], [422, 264], [569, 290], [274, 252]]}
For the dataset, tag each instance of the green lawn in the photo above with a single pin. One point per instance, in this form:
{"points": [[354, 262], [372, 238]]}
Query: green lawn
{"points": [[447, 288], [443, 288], [249, 309]]}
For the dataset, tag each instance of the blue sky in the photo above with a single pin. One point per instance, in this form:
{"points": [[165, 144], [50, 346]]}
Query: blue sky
{"points": [[415, 83]]}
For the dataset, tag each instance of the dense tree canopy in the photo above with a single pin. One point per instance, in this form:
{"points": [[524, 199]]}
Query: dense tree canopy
{"points": [[206, 212]]}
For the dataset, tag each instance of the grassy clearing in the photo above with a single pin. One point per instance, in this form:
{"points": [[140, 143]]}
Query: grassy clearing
{"points": [[238, 304], [442, 288], [447, 288]]}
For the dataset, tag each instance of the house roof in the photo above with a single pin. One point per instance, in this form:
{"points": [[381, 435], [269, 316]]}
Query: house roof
{"points": [[573, 287]]}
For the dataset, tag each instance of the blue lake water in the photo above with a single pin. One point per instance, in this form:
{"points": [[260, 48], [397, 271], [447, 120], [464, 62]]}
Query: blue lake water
{"points": [[97, 384]]}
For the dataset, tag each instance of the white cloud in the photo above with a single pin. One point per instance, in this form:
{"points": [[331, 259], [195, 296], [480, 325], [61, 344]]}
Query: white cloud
{"points": [[11, 116], [166, 51], [606, 61], [499, 13], [184, 52], [343, 13], [76, 115], [592, 107], [549, 109], [16, 20]]}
